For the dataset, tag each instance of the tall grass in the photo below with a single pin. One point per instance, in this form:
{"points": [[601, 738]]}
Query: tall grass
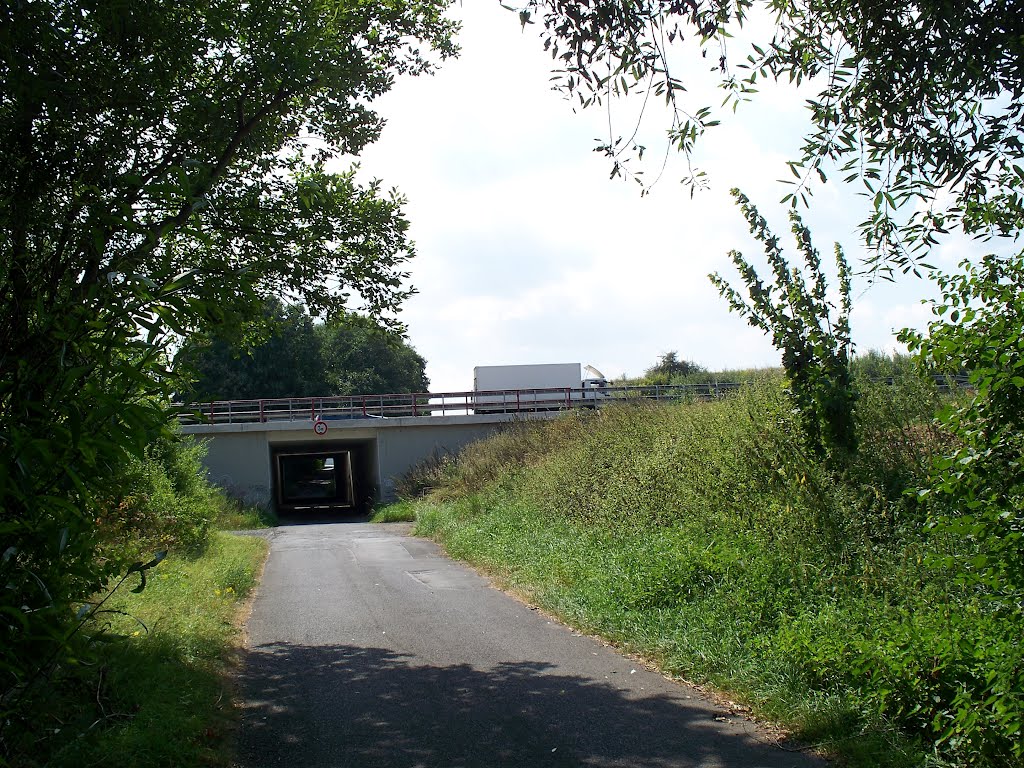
{"points": [[704, 537], [143, 681], [149, 684]]}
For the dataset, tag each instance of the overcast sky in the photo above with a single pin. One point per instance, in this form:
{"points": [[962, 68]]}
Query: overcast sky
{"points": [[529, 253]]}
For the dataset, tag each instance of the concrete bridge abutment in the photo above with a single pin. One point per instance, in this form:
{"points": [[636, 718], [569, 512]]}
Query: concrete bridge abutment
{"points": [[249, 460]]}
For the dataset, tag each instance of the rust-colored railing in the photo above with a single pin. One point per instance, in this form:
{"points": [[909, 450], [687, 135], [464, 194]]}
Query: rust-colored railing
{"points": [[417, 404], [347, 407]]}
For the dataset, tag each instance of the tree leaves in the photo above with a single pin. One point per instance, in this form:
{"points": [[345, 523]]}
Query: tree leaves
{"points": [[159, 181], [920, 100], [797, 312], [292, 357], [977, 327]]}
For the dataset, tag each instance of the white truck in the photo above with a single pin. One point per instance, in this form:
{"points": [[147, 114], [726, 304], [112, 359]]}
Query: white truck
{"points": [[553, 386]]}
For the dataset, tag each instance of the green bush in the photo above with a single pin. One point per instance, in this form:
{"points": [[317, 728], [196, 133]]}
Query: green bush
{"points": [[815, 346], [234, 514], [425, 475], [875, 365], [148, 684], [163, 502], [951, 675], [976, 497]]}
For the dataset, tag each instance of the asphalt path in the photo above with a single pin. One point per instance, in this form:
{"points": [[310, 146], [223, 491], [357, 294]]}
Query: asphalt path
{"points": [[368, 648]]}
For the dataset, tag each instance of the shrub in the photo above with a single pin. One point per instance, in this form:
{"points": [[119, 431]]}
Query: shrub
{"points": [[815, 348], [978, 488], [875, 365], [670, 369], [976, 498], [164, 501], [425, 475]]}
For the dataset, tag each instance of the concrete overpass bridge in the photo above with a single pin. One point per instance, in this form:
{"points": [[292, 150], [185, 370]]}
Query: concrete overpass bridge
{"points": [[344, 452]]}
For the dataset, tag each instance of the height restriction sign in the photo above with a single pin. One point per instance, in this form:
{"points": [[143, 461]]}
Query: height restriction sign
{"points": [[320, 427]]}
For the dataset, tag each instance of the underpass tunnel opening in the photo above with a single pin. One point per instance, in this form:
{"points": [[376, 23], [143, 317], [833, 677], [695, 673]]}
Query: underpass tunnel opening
{"points": [[331, 476]]}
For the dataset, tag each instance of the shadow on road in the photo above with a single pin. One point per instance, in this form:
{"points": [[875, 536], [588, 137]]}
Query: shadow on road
{"points": [[353, 706], [321, 517]]}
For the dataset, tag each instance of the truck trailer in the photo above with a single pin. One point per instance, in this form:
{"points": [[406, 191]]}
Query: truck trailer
{"points": [[543, 387]]}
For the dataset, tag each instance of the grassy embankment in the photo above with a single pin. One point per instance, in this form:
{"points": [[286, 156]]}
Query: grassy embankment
{"points": [[150, 683], [403, 511], [702, 537]]}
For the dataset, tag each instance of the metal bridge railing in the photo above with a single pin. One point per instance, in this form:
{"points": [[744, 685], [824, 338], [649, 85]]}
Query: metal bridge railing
{"points": [[417, 404]]}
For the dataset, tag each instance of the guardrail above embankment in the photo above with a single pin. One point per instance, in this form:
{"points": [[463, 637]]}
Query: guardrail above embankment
{"points": [[426, 404]]}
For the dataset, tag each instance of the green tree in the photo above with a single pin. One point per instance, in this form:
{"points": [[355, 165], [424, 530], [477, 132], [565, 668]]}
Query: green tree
{"points": [[978, 488], [284, 361], [797, 312], [362, 357], [670, 369], [346, 355], [975, 497], [877, 365], [918, 100], [165, 168]]}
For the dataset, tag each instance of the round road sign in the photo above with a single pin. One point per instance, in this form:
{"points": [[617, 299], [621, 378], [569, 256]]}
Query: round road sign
{"points": [[320, 427]]}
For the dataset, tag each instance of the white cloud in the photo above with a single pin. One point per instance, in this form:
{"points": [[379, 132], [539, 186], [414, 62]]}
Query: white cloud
{"points": [[529, 253]]}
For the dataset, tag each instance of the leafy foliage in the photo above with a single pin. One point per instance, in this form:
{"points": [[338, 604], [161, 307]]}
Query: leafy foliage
{"points": [[815, 349], [361, 357], [978, 488], [877, 365], [161, 501], [157, 501], [347, 354], [165, 169], [708, 378], [123, 171], [919, 101], [153, 685], [671, 370], [284, 360]]}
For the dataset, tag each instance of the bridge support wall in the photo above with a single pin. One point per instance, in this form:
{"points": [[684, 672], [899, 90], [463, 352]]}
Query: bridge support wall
{"points": [[240, 456], [402, 448], [240, 464]]}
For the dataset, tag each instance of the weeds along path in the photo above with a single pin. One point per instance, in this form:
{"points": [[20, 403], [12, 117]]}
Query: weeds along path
{"points": [[366, 647]]}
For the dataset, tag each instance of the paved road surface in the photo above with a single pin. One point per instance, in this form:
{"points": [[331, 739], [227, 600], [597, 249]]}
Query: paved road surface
{"points": [[367, 648]]}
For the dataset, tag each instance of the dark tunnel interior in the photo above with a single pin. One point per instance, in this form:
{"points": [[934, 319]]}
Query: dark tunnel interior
{"points": [[336, 475]]}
